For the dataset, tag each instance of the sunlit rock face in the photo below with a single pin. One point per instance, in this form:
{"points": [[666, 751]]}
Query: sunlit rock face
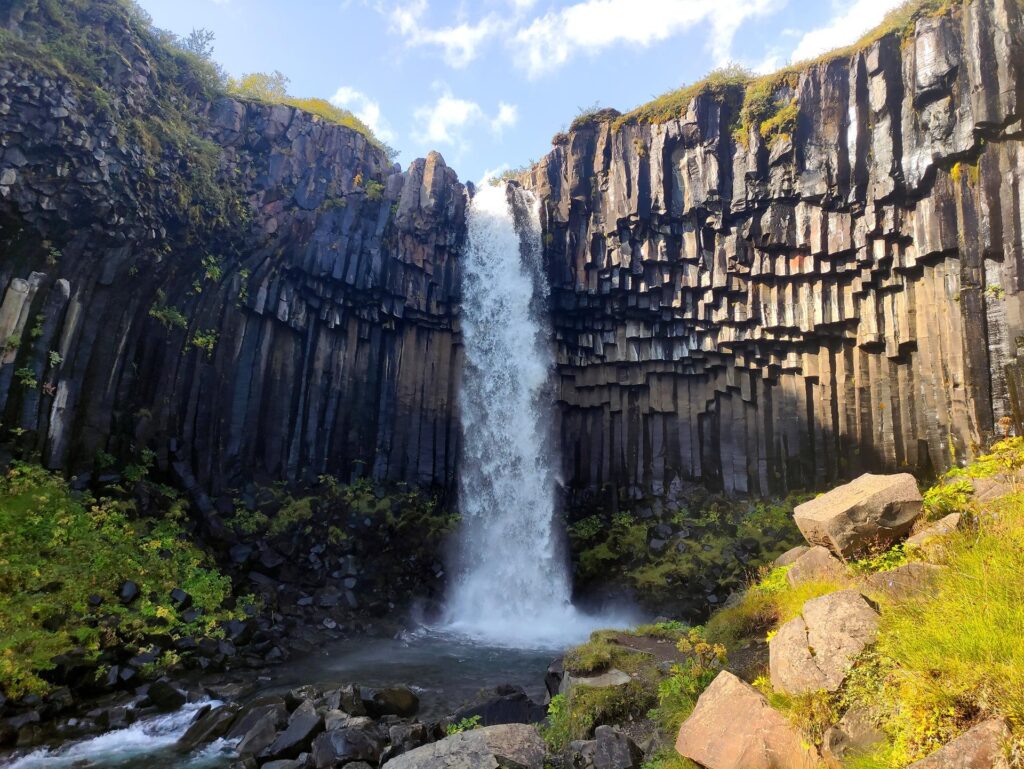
{"points": [[761, 316]]}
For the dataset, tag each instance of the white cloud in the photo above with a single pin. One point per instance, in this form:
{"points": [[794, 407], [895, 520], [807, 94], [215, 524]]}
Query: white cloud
{"points": [[843, 28], [589, 26], [364, 108], [448, 118], [460, 42], [492, 173], [508, 116]]}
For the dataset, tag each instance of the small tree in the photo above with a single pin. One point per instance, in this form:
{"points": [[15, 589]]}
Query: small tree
{"points": [[200, 43]]}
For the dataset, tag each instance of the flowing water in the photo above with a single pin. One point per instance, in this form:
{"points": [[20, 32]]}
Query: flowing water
{"points": [[512, 585]]}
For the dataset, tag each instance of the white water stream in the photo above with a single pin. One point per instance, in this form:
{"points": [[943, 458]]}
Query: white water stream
{"points": [[512, 586]]}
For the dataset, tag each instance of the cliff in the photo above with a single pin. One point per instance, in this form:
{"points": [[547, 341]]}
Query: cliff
{"points": [[831, 287], [247, 290]]}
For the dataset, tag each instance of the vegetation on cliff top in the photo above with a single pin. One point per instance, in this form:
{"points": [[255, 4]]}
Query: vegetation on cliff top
{"points": [[64, 556], [754, 100]]}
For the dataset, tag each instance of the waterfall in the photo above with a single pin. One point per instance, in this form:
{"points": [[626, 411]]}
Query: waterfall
{"points": [[512, 585]]}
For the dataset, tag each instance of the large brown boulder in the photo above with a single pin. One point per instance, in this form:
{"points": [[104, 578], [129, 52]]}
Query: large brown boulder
{"points": [[903, 581], [982, 747], [873, 510], [814, 652], [941, 528], [734, 727]]}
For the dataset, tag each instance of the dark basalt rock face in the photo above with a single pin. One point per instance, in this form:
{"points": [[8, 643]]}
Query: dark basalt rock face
{"points": [[302, 324], [761, 316], [270, 298]]}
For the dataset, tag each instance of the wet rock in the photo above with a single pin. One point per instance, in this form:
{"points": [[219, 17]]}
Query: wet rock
{"points": [[871, 511], [209, 727], [165, 695], [814, 651], [128, 592], [303, 725], [981, 747], [508, 705], [403, 738], [610, 749], [359, 739], [392, 701], [506, 745], [734, 727], [257, 728]]}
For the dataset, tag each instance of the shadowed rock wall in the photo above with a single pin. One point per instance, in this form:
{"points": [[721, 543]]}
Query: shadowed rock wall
{"points": [[304, 326], [761, 316]]}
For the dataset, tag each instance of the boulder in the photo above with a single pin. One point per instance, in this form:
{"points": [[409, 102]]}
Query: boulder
{"points": [[208, 727], [791, 555], [165, 695], [610, 749], [394, 701], [903, 581], [854, 735], [505, 745], [871, 511], [507, 705], [403, 738], [358, 740], [815, 564], [734, 727], [261, 732], [612, 677], [303, 725], [981, 747], [941, 528], [814, 652]]}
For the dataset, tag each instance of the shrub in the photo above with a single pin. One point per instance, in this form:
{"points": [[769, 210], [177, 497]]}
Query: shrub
{"points": [[944, 498], [58, 547], [168, 316], [464, 725]]}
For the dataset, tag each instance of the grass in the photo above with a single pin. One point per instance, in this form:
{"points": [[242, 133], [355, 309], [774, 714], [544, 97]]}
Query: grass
{"points": [[767, 604], [59, 547]]}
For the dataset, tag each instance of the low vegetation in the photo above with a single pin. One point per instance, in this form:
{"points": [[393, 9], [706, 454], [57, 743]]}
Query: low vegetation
{"points": [[272, 88], [63, 558]]}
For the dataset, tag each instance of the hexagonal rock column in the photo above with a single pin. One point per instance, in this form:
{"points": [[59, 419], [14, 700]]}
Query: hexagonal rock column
{"points": [[734, 727], [871, 510], [814, 651]]}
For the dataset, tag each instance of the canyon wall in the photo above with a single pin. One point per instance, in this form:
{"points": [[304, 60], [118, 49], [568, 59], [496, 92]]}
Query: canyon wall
{"points": [[246, 290], [764, 313]]}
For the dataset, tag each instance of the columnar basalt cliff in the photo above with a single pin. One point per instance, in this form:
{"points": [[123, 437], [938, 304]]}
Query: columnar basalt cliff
{"points": [[248, 290], [762, 309]]}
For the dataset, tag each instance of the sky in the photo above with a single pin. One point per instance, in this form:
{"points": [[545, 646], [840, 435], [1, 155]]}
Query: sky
{"points": [[488, 82]]}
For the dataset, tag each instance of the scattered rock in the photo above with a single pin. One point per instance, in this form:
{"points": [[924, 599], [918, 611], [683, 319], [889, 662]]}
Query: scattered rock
{"points": [[941, 528], [358, 740], [509, 705], [394, 701], [303, 725], [815, 564], [610, 749], [981, 747], [734, 727], [814, 652], [854, 735], [506, 746], [612, 677], [165, 695], [791, 555], [873, 510], [903, 581], [128, 592], [208, 727]]}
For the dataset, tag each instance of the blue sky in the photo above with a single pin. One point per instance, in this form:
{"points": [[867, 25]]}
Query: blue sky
{"points": [[488, 82]]}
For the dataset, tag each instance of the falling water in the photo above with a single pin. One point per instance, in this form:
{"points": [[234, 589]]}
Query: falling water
{"points": [[513, 585]]}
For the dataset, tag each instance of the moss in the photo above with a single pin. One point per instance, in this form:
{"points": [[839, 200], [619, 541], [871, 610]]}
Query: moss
{"points": [[724, 85]]}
